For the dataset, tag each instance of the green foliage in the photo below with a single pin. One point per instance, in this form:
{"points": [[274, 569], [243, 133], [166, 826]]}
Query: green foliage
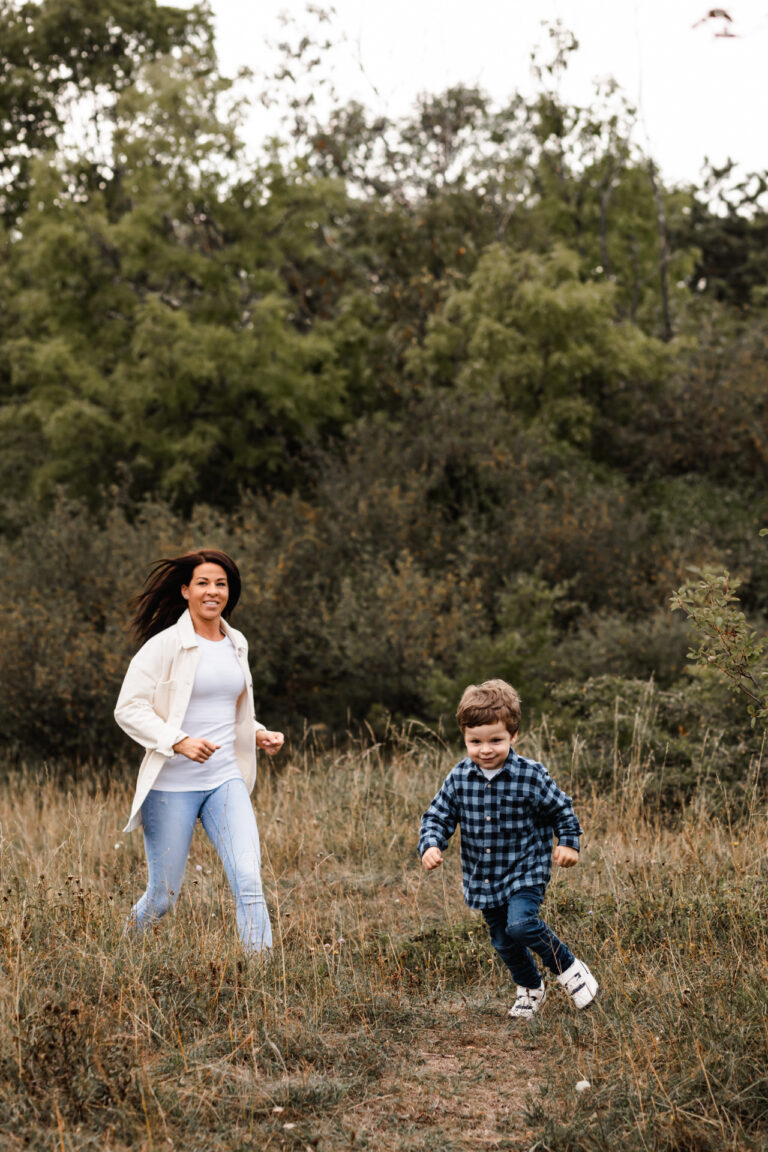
{"points": [[63, 616], [55, 52], [728, 224], [146, 328], [727, 641], [529, 332], [354, 612], [518, 645], [444, 385], [684, 736]]}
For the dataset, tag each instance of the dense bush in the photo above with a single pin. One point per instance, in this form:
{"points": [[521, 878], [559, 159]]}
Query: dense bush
{"points": [[349, 618]]}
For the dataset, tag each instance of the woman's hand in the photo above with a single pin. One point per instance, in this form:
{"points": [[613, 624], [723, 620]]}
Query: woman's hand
{"points": [[194, 749], [269, 742]]}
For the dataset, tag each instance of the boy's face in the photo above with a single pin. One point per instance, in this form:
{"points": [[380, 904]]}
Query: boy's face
{"points": [[489, 744]]}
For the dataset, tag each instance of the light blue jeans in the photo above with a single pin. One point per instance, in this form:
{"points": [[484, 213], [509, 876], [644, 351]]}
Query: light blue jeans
{"points": [[228, 818]]}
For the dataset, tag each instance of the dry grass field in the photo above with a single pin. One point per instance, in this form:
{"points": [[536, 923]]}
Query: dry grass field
{"points": [[379, 1020]]}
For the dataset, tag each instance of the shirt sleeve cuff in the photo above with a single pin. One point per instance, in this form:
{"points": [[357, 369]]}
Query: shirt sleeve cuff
{"points": [[430, 842], [569, 842]]}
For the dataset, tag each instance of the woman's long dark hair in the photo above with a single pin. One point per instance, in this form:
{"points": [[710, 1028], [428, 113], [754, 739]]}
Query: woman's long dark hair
{"points": [[161, 603]]}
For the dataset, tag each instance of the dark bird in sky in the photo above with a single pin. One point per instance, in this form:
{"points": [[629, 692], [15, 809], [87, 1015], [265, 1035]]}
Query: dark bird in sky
{"points": [[718, 14], [714, 14]]}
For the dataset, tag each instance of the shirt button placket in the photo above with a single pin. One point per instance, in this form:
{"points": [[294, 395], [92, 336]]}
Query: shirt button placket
{"points": [[488, 802]]}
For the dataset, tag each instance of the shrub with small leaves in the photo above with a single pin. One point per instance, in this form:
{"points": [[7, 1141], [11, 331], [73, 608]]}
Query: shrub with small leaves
{"points": [[727, 641]]}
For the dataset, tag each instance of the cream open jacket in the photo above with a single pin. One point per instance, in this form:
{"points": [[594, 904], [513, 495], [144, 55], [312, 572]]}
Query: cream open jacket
{"points": [[154, 697]]}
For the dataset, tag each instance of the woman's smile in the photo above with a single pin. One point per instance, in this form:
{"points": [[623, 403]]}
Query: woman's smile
{"points": [[207, 593]]}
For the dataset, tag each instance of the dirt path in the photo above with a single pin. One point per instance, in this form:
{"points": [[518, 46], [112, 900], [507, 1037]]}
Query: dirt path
{"points": [[462, 1084]]}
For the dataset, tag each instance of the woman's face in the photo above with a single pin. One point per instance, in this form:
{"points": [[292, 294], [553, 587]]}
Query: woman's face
{"points": [[207, 593]]}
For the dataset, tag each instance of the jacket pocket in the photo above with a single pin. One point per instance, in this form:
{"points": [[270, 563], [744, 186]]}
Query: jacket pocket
{"points": [[162, 701]]}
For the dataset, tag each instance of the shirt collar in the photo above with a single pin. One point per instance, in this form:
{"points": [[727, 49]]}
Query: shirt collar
{"points": [[508, 766]]}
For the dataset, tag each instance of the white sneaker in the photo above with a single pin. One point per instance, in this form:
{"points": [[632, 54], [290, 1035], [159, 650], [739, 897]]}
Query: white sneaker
{"points": [[579, 983], [528, 1002]]}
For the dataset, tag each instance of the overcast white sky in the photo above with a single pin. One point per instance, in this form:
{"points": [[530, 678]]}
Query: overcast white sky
{"points": [[699, 94]]}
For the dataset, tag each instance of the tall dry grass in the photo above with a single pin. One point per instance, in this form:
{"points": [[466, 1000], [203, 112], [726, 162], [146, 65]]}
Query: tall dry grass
{"points": [[379, 1018]]}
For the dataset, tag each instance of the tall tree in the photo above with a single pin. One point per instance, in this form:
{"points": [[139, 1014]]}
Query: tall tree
{"points": [[148, 332], [57, 53]]}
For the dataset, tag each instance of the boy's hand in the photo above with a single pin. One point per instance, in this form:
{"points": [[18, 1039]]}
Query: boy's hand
{"points": [[432, 858], [564, 857]]}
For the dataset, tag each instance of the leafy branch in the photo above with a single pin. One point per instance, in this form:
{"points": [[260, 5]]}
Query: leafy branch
{"points": [[726, 640]]}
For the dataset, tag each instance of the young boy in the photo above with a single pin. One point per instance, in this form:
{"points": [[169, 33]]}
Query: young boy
{"points": [[508, 808]]}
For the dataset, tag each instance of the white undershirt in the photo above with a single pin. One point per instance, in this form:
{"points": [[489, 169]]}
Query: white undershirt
{"points": [[210, 715], [489, 773]]}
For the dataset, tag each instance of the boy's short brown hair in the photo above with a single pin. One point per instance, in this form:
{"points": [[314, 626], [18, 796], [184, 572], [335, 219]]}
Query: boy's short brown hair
{"points": [[488, 702]]}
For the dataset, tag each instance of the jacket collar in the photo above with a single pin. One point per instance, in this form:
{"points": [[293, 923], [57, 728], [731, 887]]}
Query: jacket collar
{"points": [[189, 636], [236, 637]]}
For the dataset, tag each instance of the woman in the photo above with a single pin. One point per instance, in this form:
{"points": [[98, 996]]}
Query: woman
{"points": [[187, 698]]}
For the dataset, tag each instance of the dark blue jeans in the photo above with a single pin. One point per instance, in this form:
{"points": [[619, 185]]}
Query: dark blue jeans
{"points": [[515, 929]]}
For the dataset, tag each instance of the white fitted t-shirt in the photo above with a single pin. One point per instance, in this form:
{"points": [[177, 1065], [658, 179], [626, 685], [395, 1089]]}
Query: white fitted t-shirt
{"points": [[210, 715]]}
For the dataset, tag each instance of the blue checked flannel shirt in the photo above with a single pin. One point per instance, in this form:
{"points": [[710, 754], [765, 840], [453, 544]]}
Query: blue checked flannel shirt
{"points": [[506, 827]]}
